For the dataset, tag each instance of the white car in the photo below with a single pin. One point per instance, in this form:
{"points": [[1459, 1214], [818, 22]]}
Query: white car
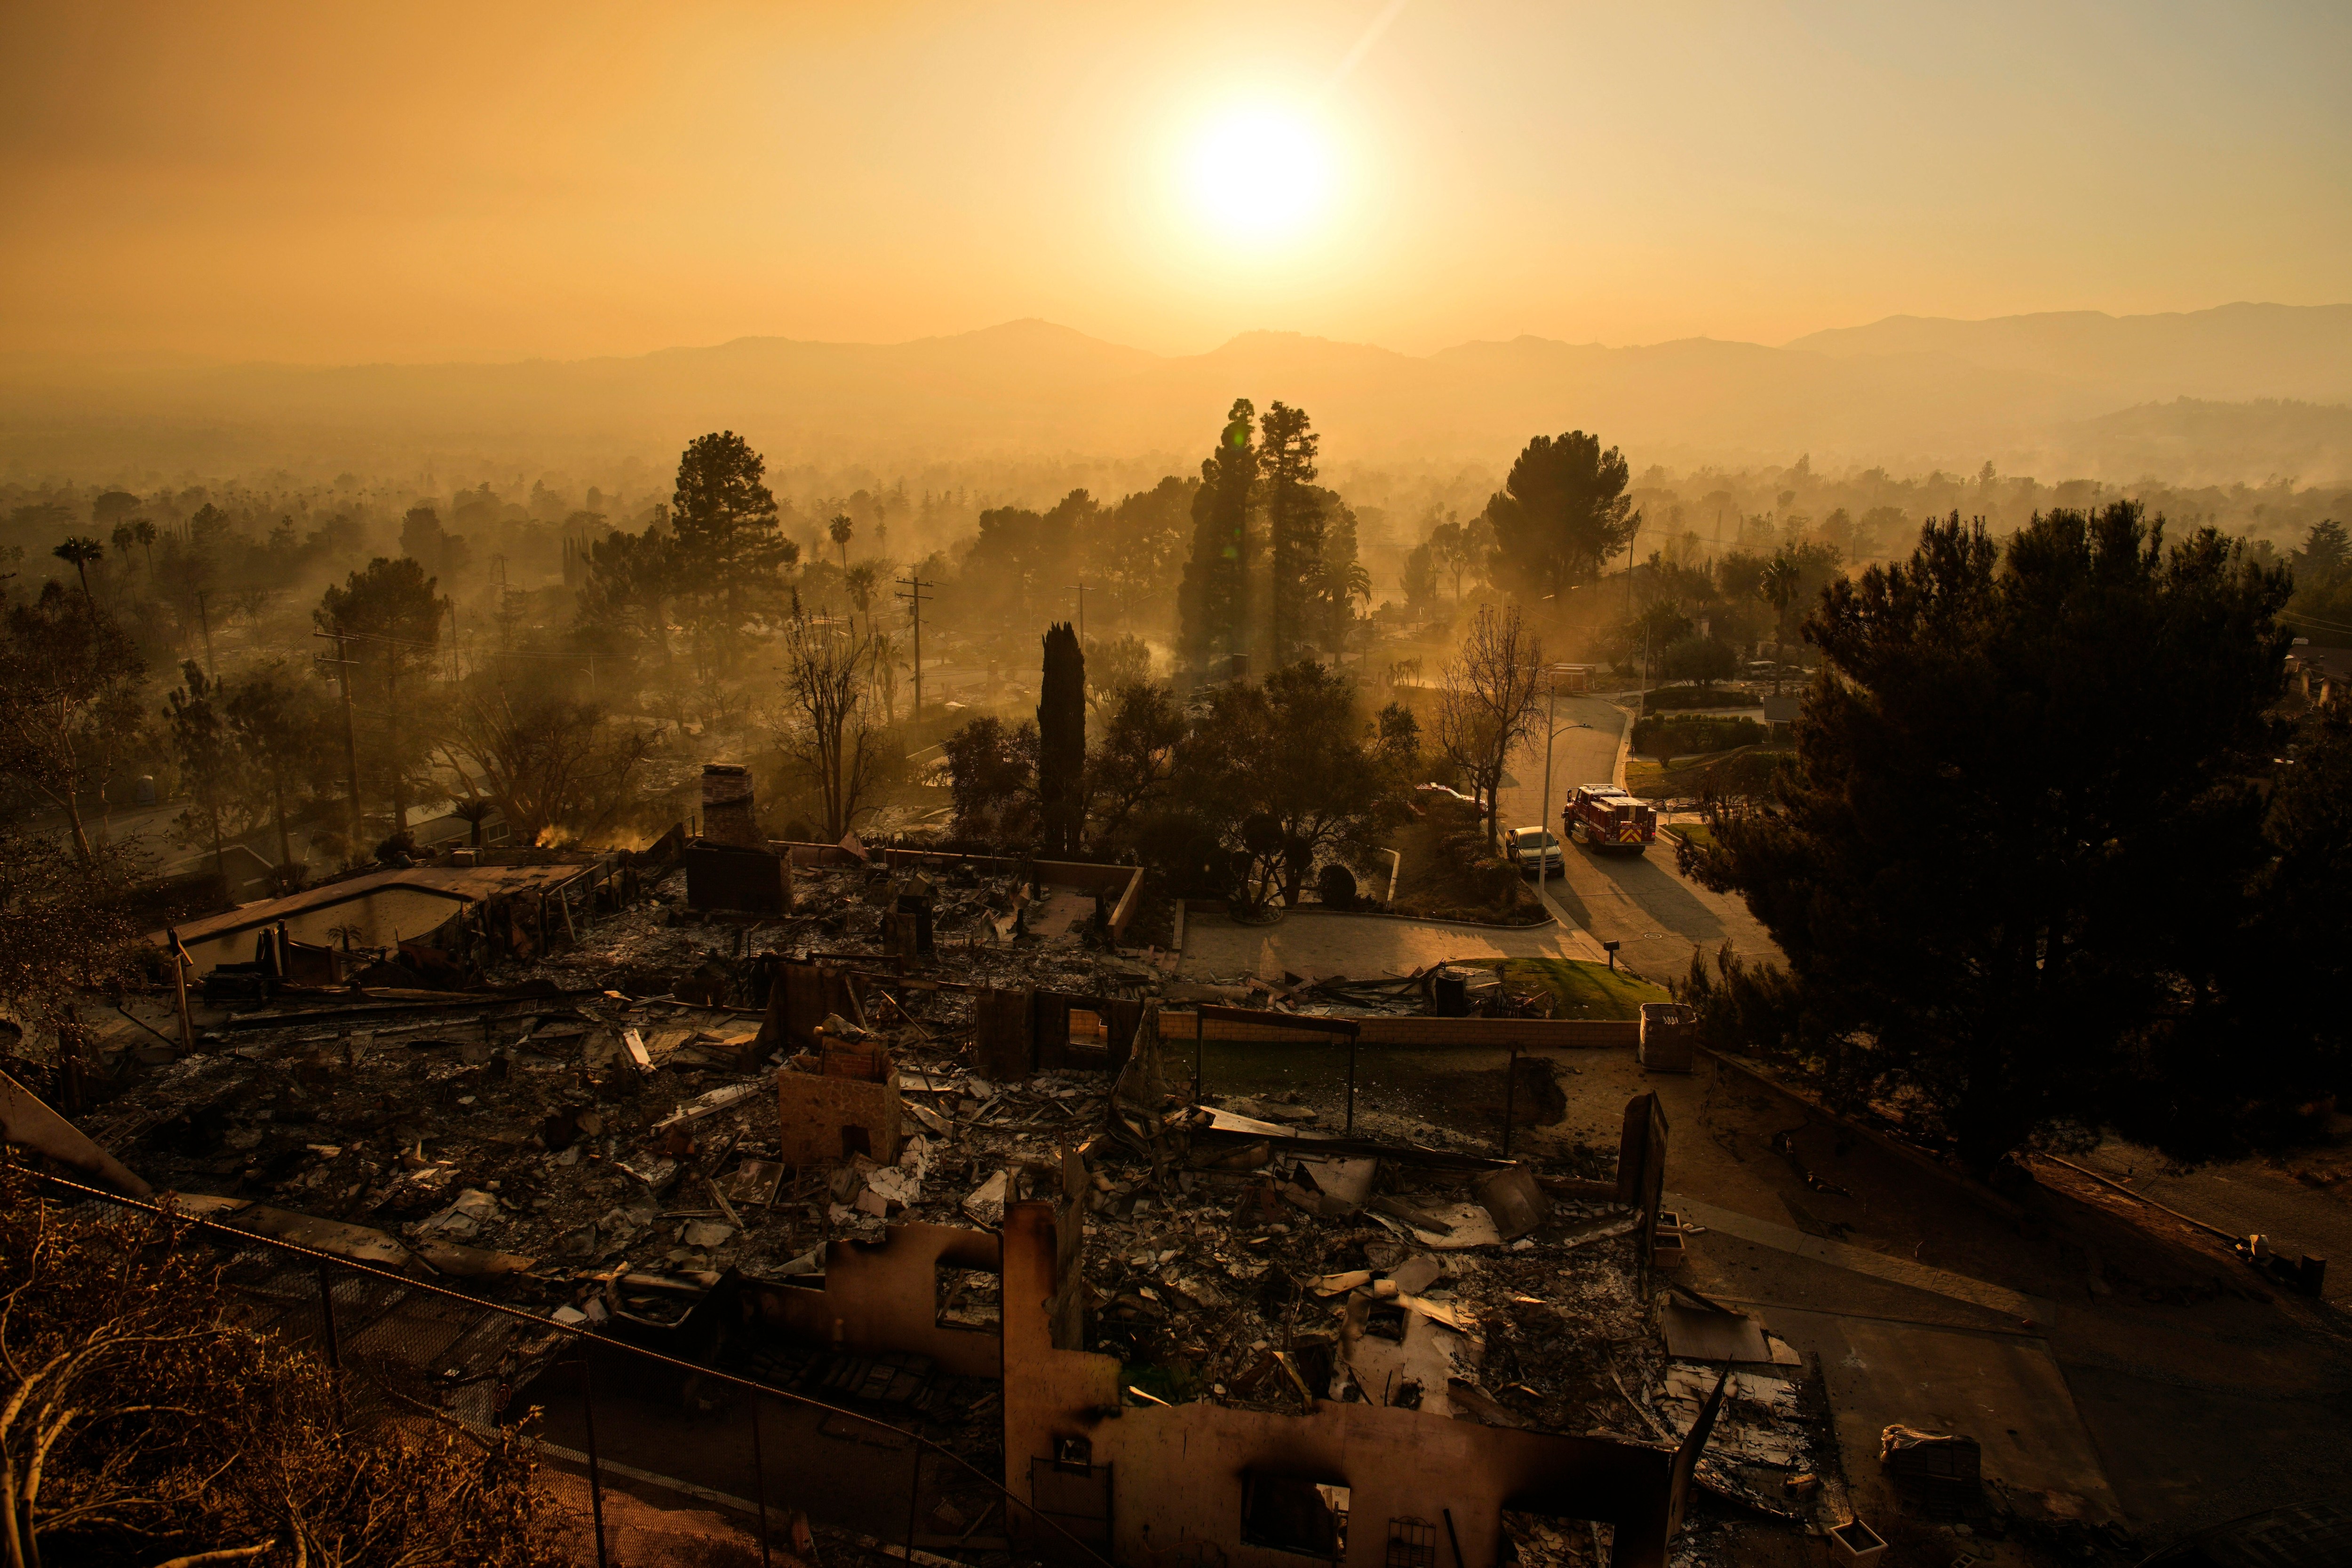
{"points": [[1534, 848], [1447, 791]]}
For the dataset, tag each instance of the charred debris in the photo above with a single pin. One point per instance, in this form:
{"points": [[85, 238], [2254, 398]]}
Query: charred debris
{"points": [[599, 1090]]}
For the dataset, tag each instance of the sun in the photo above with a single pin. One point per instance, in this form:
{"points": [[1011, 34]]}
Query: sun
{"points": [[1260, 176]]}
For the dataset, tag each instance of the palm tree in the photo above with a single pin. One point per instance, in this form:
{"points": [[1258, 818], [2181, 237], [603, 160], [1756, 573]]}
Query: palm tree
{"points": [[473, 812], [1777, 585], [81, 550], [886, 664], [860, 579], [841, 529], [143, 533], [124, 539]]}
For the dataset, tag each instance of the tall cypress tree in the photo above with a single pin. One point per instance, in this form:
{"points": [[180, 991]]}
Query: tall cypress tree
{"points": [[1062, 742], [1212, 601], [1294, 526]]}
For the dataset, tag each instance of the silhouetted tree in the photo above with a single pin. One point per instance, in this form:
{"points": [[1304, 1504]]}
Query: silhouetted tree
{"points": [[1486, 704], [81, 550], [828, 726], [1337, 579], [68, 699], [1062, 742], [545, 758], [392, 621], [423, 539], [1701, 661], [1136, 548], [2324, 547], [2322, 583], [142, 533], [629, 580], [2019, 769], [729, 544], [993, 780], [1420, 579], [112, 508], [202, 746], [67, 931], [1113, 664], [1293, 526], [1212, 601], [1134, 764], [1777, 586], [860, 580], [1562, 511], [1285, 771], [280, 730], [2296, 1057], [1659, 627]]}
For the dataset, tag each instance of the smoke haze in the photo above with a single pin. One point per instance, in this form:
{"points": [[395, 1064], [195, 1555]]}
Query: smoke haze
{"points": [[2242, 393]]}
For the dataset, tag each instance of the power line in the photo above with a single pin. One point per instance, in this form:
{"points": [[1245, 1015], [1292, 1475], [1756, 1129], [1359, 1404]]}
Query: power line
{"points": [[2312, 621], [509, 653]]}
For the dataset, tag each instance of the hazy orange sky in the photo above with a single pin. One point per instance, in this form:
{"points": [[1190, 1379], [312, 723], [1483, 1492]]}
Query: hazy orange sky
{"points": [[492, 181]]}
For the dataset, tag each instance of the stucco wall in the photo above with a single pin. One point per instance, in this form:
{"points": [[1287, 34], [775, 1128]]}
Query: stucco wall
{"points": [[882, 1296], [1178, 1472], [815, 1107]]}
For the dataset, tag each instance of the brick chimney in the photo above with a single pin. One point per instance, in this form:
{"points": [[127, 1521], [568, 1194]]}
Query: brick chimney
{"points": [[727, 814]]}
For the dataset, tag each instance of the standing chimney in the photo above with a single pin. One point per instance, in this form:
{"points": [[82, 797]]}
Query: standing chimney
{"points": [[726, 814]]}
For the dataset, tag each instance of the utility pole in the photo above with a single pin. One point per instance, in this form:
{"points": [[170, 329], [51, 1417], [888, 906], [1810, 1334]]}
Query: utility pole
{"points": [[1630, 540], [1543, 817], [392, 721], [913, 584], [204, 618], [350, 739]]}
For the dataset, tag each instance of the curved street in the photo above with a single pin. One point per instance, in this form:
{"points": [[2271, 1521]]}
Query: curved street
{"points": [[1659, 915]]}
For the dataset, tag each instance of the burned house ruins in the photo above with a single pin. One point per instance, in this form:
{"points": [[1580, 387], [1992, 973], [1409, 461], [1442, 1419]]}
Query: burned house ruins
{"points": [[926, 1139]]}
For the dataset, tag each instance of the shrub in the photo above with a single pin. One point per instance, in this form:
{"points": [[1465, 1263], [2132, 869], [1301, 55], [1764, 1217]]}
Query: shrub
{"points": [[1666, 696], [1688, 734], [1703, 659], [167, 1425]]}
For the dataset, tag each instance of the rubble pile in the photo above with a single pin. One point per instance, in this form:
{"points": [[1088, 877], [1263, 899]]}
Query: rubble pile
{"points": [[1454, 987], [578, 1121], [988, 927], [632, 1127]]}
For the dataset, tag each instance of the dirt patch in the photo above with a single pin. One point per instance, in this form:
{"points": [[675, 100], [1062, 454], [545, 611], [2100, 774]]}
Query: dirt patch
{"points": [[1449, 872]]}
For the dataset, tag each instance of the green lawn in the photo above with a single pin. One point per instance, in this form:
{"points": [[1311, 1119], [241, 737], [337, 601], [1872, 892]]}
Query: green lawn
{"points": [[1698, 833], [1580, 988]]}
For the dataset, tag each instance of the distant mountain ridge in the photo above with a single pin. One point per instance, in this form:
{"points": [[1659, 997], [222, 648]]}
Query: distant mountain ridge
{"points": [[2232, 351], [1905, 391]]}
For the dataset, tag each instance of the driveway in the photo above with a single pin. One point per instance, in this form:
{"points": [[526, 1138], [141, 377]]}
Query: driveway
{"points": [[1317, 946]]}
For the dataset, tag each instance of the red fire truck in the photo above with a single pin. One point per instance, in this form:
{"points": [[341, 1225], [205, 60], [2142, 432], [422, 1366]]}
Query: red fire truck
{"points": [[1608, 819]]}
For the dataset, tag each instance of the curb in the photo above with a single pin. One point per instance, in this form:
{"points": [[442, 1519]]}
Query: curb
{"points": [[1624, 745], [1550, 919]]}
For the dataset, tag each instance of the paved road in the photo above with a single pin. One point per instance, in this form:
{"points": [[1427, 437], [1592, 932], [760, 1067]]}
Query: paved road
{"points": [[1659, 915]]}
